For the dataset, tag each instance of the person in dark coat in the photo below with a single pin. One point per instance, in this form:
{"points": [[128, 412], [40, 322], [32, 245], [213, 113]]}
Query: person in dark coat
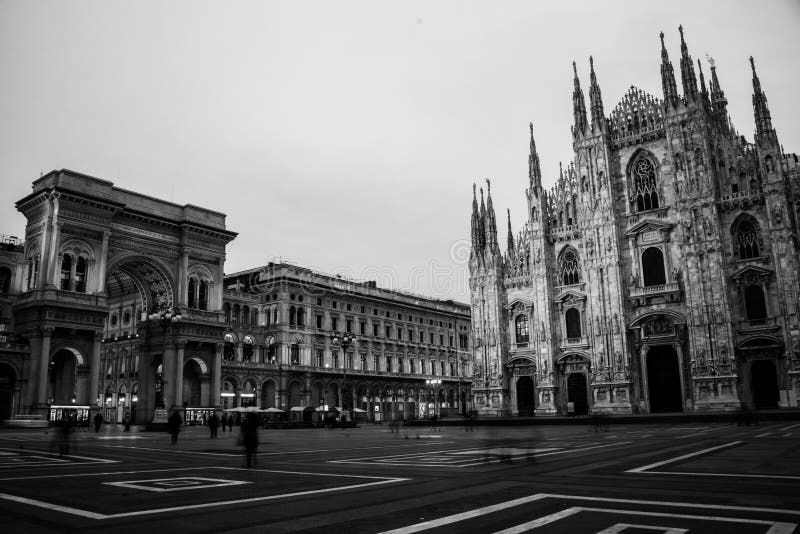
{"points": [[213, 425], [250, 438], [224, 421], [98, 422], [174, 426]]}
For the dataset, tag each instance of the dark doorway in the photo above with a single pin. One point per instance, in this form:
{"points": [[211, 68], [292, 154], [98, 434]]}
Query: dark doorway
{"points": [[664, 380], [7, 380], [764, 381], [525, 396], [576, 393]]}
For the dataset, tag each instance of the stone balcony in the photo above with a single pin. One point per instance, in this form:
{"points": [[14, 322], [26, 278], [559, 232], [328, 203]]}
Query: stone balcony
{"points": [[574, 343], [657, 294], [766, 324]]}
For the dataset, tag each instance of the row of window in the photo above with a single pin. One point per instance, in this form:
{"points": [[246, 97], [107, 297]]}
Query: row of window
{"points": [[755, 306]]}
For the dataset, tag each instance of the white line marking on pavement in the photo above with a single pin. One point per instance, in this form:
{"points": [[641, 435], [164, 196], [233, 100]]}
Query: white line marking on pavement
{"points": [[94, 515], [433, 523], [764, 434], [679, 458], [557, 452], [788, 434], [67, 456], [620, 527], [776, 527], [791, 427], [536, 523]]}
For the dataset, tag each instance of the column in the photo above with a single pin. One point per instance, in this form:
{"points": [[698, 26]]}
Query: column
{"points": [[216, 375], [686, 385], [183, 272], [100, 276], [168, 363], [44, 367], [55, 257], [44, 263], [94, 368], [180, 345], [645, 396]]}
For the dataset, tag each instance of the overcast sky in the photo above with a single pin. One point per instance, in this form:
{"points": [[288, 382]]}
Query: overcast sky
{"points": [[345, 136]]}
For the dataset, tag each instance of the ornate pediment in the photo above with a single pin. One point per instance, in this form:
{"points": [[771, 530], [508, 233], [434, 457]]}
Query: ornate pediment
{"points": [[570, 296], [752, 273], [649, 225], [519, 304]]}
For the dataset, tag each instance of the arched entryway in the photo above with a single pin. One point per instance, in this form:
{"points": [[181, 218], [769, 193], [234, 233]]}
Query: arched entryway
{"points": [[577, 393], [525, 395], [63, 377], [192, 384], [268, 395], [664, 380], [8, 379], [764, 381]]}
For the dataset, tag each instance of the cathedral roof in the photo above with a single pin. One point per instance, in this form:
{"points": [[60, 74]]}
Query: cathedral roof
{"points": [[637, 114]]}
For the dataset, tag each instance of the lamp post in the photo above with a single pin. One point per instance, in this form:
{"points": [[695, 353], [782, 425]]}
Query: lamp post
{"points": [[432, 383], [165, 318], [345, 340], [461, 377]]}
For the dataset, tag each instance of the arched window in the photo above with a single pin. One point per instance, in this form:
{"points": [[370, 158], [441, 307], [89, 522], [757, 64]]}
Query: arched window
{"points": [[573, 320], [66, 272], [653, 267], [755, 304], [227, 309], [244, 318], [645, 187], [5, 280], [292, 316], [247, 349], [521, 324], [203, 295], [254, 317], [301, 317], [235, 314], [569, 268], [80, 275], [228, 348], [190, 296], [295, 354], [441, 368], [747, 240], [274, 316]]}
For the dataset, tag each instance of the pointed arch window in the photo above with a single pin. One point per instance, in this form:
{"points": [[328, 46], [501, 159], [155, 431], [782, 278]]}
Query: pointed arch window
{"points": [[569, 268], [755, 304], [521, 327], [653, 267], [645, 185], [245, 315], [254, 317], [295, 354], [747, 240], [66, 272], [203, 295], [80, 275], [235, 314], [191, 293], [301, 317], [573, 323], [292, 316]]}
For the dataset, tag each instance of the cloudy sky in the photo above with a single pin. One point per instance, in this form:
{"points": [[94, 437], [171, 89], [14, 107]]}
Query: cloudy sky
{"points": [[345, 136]]}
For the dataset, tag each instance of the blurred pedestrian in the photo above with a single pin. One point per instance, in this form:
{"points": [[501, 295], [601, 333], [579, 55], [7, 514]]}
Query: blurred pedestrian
{"points": [[174, 426], [64, 436], [127, 422], [213, 425], [434, 422], [250, 439], [98, 422]]}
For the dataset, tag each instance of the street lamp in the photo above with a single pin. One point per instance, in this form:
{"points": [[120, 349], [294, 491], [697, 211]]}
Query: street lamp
{"points": [[166, 317], [432, 383], [345, 340], [464, 360]]}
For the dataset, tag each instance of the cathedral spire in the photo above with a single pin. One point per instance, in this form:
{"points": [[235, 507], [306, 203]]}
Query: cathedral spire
{"points": [[475, 226], [687, 71], [595, 100], [534, 169], [482, 224], [510, 243], [668, 77], [578, 103], [718, 101], [760, 109], [703, 89], [491, 222]]}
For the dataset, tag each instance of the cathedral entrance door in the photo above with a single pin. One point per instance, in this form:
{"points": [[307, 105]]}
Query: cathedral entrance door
{"points": [[525, 396], [576, 393], [664, 380], [764, 381]]}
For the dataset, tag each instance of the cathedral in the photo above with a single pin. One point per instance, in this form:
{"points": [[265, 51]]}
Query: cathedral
{"points": [[659, 273]]}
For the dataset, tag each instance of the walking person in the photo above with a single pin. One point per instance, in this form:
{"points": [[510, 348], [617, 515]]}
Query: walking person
{"points": [[127, 422], [213, 425], [174, 426], [434, 421], [224, 421], [98, 422], [250, 439]]}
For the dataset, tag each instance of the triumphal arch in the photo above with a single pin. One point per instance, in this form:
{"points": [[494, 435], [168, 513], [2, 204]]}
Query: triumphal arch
{"points": [[118, 294]]}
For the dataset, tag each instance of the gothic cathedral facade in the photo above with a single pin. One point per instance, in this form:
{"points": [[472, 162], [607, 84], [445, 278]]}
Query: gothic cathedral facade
{"points": [[659, 274]]}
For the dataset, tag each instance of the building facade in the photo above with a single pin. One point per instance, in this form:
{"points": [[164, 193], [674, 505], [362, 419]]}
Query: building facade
{"points": [[117, 302], [659, 274], [297, 338]]}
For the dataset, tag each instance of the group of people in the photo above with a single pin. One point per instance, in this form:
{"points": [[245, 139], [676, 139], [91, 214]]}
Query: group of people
{"points": [[247, 438]]}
